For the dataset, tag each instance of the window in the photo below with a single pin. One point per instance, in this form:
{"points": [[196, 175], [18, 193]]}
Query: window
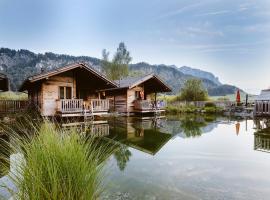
{"points": [[68, 93], [137, 95], [65, 93], [62, 93]]}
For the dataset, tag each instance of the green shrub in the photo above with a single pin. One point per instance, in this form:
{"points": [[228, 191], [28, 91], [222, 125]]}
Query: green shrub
{"points": [[193, 90], [212, 109], [210, 104]]}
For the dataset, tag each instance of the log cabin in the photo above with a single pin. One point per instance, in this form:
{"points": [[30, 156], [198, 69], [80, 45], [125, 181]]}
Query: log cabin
{"points": [[137, 95], [69, 91], [262, 104], [4, 83]]}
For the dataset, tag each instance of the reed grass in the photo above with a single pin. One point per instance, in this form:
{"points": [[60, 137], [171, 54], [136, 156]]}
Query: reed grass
{"points": [[56, 165]]}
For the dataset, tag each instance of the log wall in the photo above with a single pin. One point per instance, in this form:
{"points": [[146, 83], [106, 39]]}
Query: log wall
{"points": [[50, 92]]}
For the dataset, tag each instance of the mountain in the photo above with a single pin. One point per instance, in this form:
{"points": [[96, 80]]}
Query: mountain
{"points": [[200, 74], [176, 78], [19, 64]]}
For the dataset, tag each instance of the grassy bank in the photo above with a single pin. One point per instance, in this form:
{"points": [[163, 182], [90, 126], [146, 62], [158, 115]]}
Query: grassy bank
{"points": [[56, 165], [176, 109], [13, 96]]}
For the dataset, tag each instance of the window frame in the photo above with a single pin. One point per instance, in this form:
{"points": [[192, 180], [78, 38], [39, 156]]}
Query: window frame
{"points": [[65, 92]]}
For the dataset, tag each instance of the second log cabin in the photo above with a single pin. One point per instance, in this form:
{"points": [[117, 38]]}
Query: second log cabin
{"points": [[137, 94]]}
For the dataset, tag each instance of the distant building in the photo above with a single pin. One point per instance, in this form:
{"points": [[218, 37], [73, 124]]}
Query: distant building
{"points": [[262, 104], [4, 83]]}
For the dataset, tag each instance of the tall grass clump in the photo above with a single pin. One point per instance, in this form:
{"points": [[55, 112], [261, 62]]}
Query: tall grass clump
{"points": [[57, 165]]}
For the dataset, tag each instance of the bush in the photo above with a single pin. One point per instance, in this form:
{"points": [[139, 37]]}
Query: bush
{"points": [[210, 104], [181, 109], [193, 90], [212, 110]]}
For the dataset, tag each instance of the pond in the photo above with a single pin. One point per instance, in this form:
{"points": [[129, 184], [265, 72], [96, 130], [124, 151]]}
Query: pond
{"points": [[189, 157], [185, 157]]}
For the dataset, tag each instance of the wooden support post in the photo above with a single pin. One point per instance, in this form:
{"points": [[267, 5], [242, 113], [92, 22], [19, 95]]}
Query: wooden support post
{"points": [[155, 99]]}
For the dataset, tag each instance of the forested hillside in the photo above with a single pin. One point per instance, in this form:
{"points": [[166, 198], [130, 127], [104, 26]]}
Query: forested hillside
{"points": [[18, 65]]}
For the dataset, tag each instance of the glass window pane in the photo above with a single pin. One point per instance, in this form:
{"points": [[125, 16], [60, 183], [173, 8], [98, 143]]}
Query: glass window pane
{"points": [[68, 93], [61, 92]]}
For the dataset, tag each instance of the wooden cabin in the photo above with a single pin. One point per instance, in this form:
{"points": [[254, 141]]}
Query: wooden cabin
{"points": [[4, 83], [262, 104], [69, 91], [138, 95]]}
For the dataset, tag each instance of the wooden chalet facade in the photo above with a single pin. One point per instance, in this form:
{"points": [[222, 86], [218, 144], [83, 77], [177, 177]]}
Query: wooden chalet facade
{"points": [[4, 83], [137, 95], [68, 91], [262, 104]]}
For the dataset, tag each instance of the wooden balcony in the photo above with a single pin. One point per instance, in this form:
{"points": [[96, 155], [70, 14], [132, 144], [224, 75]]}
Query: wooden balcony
{"points": [[13, 106], [79, 107], [149, 106]]}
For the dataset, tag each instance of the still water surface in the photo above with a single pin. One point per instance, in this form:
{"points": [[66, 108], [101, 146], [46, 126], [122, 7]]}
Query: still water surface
{"points": [[186, 157], [189, 157]]}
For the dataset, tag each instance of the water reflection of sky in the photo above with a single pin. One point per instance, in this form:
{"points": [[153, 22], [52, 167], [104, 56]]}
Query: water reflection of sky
{"points": [[217, 164]]}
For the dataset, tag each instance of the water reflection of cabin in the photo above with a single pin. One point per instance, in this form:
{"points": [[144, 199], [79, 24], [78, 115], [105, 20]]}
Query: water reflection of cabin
{"points": [[140, 135], [69, 91], [262, 104], [138, 94], [262, 141], [4, 83]]}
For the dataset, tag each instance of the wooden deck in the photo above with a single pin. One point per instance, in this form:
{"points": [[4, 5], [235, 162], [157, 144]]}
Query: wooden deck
{"points": [[13, 106], [262, 108], [262, 142], [81, 108], [146, 106]]}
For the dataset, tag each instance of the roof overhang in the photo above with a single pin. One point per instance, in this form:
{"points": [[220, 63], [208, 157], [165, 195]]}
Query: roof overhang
{"points": [[57, 71], [163, 86]]}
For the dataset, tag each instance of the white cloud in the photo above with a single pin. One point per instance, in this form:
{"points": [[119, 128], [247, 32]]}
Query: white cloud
{"points": [[180, 10], [221, 12]]}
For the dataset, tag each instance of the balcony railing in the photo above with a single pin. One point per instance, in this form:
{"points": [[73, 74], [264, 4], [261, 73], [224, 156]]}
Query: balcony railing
{"points": [[100, 105], [149, 105], [12, 106], [70, 105], [79, 105]]}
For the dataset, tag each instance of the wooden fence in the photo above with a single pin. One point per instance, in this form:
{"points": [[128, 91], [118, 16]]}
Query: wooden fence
{"points": [[13, 106]]}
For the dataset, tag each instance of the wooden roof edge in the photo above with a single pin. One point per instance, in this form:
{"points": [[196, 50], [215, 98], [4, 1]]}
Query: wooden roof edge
{"points": [[165, 84], [147, 77], [111, 89], [101, 75], [56, 71]]}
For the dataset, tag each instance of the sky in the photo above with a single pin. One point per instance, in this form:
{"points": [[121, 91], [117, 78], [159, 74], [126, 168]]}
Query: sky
{"points": [[229, 38]]}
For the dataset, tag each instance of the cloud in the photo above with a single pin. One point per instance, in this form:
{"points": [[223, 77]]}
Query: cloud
{"points": [[258, 28], [221, 12], [180, 10], [195, 31], [239, 48]]}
